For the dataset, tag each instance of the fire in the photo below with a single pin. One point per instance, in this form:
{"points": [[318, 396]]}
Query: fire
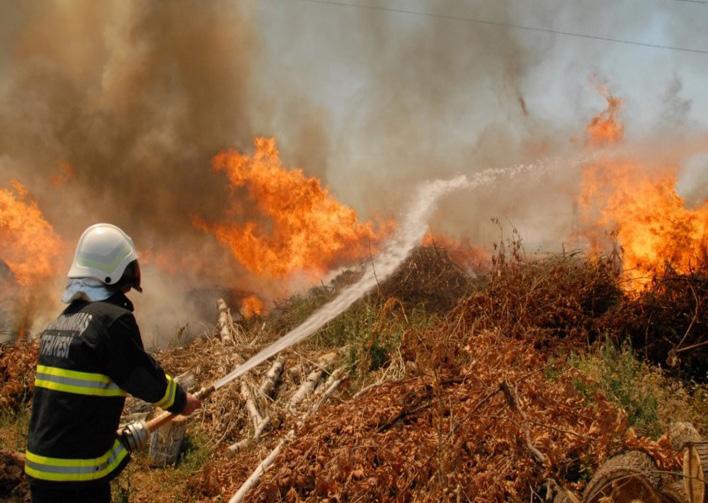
{"points": [[605, 127], [28, 243], [300, 226], [251, 306], [640, 207]]}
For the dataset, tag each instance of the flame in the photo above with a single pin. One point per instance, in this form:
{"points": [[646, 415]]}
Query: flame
{"points": [[638, 205], [251, 306], [650, 220], [300, 226], [605, 127], [28, 243]]}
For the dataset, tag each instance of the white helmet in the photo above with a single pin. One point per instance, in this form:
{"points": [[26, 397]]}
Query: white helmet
{"points": [[103, 253]]}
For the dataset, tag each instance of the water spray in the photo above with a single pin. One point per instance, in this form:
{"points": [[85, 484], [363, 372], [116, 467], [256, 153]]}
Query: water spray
{"points": [[408, 236]]}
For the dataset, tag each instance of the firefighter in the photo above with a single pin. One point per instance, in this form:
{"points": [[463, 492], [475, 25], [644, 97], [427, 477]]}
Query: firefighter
{"points": [[90, 358]]}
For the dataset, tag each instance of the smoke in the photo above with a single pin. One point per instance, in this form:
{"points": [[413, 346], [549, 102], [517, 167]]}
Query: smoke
{"points": [[136, 97], [411, 97]]}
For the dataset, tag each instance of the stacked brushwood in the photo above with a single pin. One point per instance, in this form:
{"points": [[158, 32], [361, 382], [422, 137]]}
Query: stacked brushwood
{"points": [[486, 426], [17, 367], [261, 410], [470, 414], [667, 322], [429, 278], [477, 420], [545, 298]]}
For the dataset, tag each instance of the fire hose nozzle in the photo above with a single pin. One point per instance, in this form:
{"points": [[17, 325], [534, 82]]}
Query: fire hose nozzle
{"points": [[135, 435], [166, 417]]}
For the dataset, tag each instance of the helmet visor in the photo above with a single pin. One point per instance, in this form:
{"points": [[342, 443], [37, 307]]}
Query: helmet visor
{"points": [[136, 277]]}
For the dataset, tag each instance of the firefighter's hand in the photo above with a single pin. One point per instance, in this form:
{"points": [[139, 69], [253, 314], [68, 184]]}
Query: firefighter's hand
{"points": [[192, 404]]}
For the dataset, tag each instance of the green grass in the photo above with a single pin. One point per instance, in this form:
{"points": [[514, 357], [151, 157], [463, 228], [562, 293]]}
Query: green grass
{"points": [[650, 399], [195, 453], [140, 478]]}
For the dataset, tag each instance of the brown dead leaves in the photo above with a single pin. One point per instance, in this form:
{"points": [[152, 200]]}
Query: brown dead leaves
{"points": [[450, 434], [17, 367]]}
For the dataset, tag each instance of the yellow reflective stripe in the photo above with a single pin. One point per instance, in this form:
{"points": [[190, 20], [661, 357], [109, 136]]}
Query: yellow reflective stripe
{"points": [[78, 390], [46, 460], [67, 470], [73, 381], [73, 374], [170, 393]]}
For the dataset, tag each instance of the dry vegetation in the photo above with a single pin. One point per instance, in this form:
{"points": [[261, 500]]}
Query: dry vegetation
{"points": [[499, 387]]}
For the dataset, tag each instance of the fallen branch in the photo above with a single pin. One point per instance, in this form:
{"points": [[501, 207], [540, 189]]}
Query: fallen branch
{"points": [[334, 376], [247, 442], [253, 479], [329, 391], [253, 411], [258, 421], [271, 379], [513, 401], [260, 470], [312, 380], [306, 388], [224, 322]]}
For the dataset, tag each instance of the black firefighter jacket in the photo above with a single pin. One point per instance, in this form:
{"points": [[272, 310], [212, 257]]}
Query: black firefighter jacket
{"points": [[89, 359]]}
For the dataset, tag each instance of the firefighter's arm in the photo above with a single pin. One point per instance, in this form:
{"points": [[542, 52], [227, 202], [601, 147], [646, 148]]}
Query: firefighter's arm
{"points": [[136, 372]]}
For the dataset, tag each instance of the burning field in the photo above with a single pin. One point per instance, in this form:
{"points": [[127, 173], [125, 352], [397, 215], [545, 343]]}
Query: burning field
{"points": [[416, 316], [464, 374]]}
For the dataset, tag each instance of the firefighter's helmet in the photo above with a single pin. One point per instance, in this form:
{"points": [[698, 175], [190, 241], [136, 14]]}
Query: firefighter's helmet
{"points": [[107, 254]]}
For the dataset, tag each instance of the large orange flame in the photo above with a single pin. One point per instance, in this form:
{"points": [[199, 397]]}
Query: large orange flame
{"points": [[28, 243], [640, 207], [301, 227]]}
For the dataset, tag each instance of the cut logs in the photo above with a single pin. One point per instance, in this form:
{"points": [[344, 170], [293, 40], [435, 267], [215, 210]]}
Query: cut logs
{"points": [[272, 378], [324, 363], [251, 407], [630, 477], [253, 479]]}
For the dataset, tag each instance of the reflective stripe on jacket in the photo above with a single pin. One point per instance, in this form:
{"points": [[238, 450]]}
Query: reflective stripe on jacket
{"points": [[72, 381], [90, 358], [75, 470]]}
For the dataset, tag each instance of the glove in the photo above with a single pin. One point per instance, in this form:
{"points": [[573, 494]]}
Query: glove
{"points": [[135, 435]]}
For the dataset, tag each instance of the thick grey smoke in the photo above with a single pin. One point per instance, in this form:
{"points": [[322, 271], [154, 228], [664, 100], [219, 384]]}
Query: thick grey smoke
{"points": [[136, 97]]}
